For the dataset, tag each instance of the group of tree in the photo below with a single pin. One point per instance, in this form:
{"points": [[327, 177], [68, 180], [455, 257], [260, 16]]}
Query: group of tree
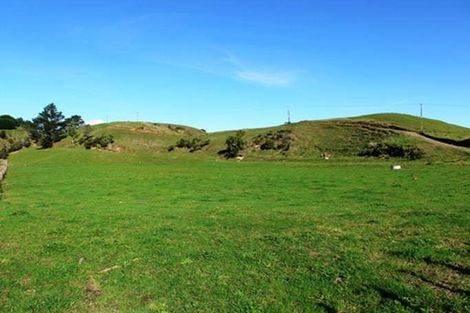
{"points": [[51, 126], [9, 122]]}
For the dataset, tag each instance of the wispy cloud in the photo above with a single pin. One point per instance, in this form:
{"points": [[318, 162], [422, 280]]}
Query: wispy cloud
{"points": [[276, 79], [401, 101], [249, 73]]}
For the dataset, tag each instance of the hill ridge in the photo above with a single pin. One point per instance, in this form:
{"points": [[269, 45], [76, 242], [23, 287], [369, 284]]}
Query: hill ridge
{"points": [[341, 137]]}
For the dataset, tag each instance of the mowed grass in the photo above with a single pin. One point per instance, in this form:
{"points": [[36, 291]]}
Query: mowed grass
{"points": [[95, 231]]}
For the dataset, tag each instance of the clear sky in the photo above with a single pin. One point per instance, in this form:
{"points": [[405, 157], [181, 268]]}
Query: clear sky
{"points": [[234, 64]]}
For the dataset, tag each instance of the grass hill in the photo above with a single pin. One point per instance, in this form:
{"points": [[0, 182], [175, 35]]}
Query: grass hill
{"points": [[142, 136], [12, 140], [432, 127], [338, 138]]}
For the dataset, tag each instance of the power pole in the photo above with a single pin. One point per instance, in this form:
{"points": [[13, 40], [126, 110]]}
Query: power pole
{"points": [[288, 116], [421, 115]]}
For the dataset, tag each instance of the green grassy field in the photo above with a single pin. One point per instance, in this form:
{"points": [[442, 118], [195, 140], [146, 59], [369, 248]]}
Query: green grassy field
{"points": [[99, 231]]}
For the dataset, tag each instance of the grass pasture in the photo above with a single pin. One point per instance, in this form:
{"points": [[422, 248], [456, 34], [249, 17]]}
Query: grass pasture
{"points": [[97, 231]]}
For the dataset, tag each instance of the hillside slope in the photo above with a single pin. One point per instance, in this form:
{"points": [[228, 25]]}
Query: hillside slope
{"points": [[137, 136], [432, 127], [337, 138]]}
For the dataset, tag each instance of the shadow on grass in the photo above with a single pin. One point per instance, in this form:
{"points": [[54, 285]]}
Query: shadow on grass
{"points": [[436, 284]]}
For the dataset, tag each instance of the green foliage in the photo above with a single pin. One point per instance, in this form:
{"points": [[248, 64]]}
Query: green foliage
{"points": [[279, 140], [88, 140], [8, 122], [393, 150], [235, 144], [49, 126], [12, 142], [4, 149], [192, 144], [72, 124], [175, 128]]}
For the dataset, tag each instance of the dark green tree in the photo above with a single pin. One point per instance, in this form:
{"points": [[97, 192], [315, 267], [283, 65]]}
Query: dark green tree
{"points": [[8, 122], [49, 126], [72, 124], [235, 144]]}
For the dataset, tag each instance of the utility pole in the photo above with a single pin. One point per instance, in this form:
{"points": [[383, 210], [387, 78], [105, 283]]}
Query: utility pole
{"points": [[421, 115], [288, 116]]}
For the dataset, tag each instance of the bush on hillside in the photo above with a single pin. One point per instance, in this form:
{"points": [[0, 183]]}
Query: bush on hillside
{"points": [[4, 149], [393, 150], [10, 144], [193, 144], [102, 141], [175, 128], [280, 140], [90, 141], [235, 144]]}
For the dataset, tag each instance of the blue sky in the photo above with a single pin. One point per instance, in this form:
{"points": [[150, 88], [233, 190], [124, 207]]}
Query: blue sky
{"points": [[234, 64]]}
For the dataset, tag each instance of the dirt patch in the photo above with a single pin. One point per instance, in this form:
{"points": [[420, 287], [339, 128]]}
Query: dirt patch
{"points": [[3, 168]]}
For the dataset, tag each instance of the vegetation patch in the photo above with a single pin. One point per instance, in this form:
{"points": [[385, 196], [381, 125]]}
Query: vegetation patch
{"points": [[192, 144], [12, 142], [391, 150], [8, 122], [95, 141], [234, 145], [279, 140]]}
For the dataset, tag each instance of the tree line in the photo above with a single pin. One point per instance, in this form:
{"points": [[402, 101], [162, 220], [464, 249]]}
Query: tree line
{"points": [[51, 126]]}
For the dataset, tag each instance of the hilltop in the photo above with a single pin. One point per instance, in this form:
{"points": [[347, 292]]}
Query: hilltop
{"points": [[338, 138]]}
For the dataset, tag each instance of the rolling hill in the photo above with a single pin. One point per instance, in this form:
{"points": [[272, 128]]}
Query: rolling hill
{"points": [[338, 138]]}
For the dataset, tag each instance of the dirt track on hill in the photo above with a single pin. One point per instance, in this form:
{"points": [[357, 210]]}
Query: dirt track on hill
{"points": [[433, 141]]}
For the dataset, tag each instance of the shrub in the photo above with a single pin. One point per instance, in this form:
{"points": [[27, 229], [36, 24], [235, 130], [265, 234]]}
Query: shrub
{"points": [[280, 140], [409, 152], [235, 144], [104, 141], [183, 143], [193, 144], [89, 141], [4, 149]]}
